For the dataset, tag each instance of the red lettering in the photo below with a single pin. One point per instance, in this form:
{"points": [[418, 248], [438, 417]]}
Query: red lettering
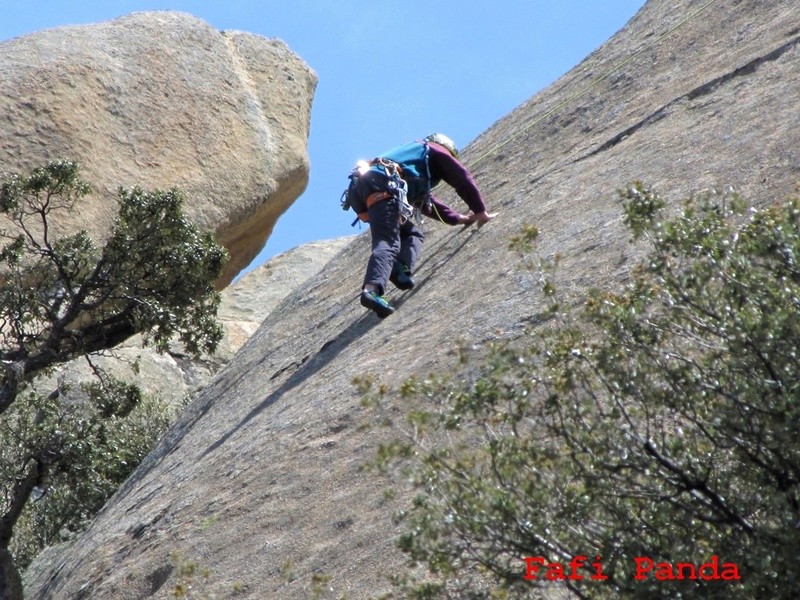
{"points": [[710, 570], [576, 563], [664, 571], [533, 563], [730, 572], [598, 570], [685, 571], [643, 566], [555, 572]]}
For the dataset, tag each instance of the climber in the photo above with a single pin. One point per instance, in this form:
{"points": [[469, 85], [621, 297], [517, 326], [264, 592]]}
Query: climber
{"points": [[386, 191]]}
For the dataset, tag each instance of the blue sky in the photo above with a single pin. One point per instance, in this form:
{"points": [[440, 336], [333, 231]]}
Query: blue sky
{"points": [[389, 72]]}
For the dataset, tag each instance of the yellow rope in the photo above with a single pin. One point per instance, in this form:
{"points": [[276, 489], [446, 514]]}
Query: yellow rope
{"points": [[438, 216]]}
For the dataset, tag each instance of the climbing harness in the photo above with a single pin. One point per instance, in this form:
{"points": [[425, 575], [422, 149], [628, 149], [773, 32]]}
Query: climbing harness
{"points": [[397, 188]]}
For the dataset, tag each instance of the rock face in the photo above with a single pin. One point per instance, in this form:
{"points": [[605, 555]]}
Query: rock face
{"points": [[161, 100], [249, 300], [259, 481], [174, 376]]}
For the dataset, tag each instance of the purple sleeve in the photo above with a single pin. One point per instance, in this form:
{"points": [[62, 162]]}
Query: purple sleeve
{"points": [[445, 167], [440, 211]]}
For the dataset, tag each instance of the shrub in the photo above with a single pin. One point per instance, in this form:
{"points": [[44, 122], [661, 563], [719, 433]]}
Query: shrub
{"points": [[63, 298], [658, 421]]}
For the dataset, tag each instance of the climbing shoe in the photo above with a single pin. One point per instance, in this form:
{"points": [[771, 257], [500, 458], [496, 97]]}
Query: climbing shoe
{"points": [[401, 276], [371, 300]]}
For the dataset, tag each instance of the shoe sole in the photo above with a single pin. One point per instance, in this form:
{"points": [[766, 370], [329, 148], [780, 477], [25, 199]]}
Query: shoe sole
{"points": [[403, 285], [375, 306]]}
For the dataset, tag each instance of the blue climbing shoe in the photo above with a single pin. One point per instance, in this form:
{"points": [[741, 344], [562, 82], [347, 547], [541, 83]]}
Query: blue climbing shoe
{"points": [[401, 276], [376, 303]]}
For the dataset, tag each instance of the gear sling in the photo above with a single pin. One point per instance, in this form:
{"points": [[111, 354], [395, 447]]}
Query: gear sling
{"points": [[401, 173]]}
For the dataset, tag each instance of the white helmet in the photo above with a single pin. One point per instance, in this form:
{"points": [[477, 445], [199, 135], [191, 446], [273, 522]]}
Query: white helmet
{"points": [[443, 140]]}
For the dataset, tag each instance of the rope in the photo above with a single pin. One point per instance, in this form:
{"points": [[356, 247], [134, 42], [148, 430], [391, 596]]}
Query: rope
{"points": [[436, 210], [586, 89]]}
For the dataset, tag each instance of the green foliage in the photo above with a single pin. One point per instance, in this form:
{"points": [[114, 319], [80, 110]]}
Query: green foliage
{"points": [[660, 421], [62, 297], [193, 582], [99, 435], [188, 583], [157, 257], [65, 297]]}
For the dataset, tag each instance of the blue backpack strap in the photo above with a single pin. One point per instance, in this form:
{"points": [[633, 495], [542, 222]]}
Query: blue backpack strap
{"points": [[413, 159]]}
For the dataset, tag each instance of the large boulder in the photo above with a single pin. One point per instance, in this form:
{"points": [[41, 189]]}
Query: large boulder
{"points": [[261, 479], [161, 100]]}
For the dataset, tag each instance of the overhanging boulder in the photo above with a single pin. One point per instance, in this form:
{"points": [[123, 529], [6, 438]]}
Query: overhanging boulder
{"points": [[161, 100]]}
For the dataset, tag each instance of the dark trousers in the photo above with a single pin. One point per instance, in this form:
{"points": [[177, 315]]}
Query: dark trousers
{"points": [[391, 241]]}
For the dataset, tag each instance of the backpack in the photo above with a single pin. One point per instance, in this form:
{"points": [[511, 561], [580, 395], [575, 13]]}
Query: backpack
{"points": [[413, 161], [403, 171]]}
